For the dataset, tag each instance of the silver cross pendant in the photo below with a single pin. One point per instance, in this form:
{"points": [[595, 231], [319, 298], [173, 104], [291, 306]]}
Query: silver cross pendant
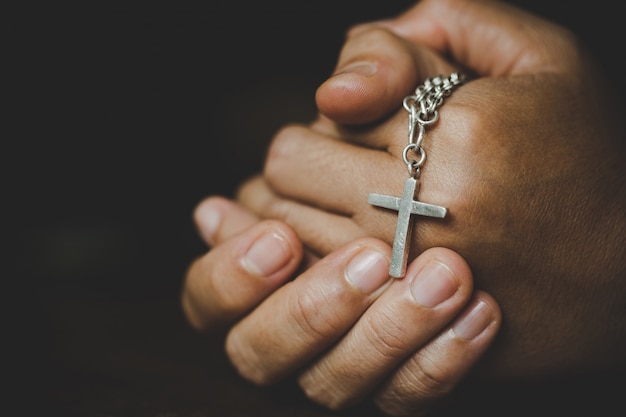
{"points": [[405, 206]]}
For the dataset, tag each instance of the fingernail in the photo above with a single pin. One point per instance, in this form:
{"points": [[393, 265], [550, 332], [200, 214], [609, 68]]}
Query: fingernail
{"points": [[209, 221], [267, 255], [365, 68], [433, 285], [474, 321], [367, 271]]}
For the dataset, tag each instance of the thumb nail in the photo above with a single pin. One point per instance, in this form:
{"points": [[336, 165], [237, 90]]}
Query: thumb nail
{"points": [[365, 68]]}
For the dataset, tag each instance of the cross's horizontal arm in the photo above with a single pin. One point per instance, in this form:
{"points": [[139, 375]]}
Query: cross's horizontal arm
{"points": [[429, 210]]}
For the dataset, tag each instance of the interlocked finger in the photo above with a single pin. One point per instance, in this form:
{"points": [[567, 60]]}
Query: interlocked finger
{"points": [[241, 268], [404, 320], [432, 373], [309, 314]]}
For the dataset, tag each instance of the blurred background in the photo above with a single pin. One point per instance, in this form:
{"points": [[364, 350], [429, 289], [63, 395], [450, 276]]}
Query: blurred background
{"points": [[130, 119]]}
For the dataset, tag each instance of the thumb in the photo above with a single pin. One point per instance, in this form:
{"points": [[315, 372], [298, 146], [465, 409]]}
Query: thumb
{"points": [[375, 71]]}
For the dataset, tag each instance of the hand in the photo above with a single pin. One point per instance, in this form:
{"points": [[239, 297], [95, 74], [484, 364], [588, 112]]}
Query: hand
{"points": [[527, 157], [342, 327]]}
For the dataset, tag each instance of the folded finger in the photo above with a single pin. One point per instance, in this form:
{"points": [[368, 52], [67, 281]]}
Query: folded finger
{"points": [[308, 221], [410, 313], [218, 218], [307, 315], [337, 175], [431, 374], [238, 273]]}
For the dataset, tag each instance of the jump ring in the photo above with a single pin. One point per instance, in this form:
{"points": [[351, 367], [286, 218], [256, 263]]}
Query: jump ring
{"points": [[424, 122], [406, 105], [415, 148]]}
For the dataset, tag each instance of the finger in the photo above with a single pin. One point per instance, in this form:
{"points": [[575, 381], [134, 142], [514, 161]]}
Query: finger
{"points": [[218, 218], [406, 317], [321, 182], [307, 315], [337, 160], [432, 373], [239, 273], [375, 71], [490, 37], [307, 220]]}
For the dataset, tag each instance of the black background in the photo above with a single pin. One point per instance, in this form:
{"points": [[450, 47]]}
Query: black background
{"points": [[123, 122]]}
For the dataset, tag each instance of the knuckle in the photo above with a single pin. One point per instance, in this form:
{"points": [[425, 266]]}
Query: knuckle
{"points": [[331, 401], [221, 300], [200, 289], [192, 312], [278, 209], [246, 360], [247, 191], [284, 144], [322, 392], [386, 335], [396, 408], [311, 320], [472, 120], [416, 386], [210, 298], [430, 380]]}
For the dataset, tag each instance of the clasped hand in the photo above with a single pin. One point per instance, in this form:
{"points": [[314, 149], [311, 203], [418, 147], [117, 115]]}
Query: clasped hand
{"points": [[526, 156]]}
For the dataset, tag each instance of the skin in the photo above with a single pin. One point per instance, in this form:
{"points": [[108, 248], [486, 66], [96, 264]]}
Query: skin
{"points": [[523, 184], [527, 158], [309, 327]]}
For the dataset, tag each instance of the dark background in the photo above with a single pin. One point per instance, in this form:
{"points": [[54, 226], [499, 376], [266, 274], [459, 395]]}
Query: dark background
{"points": [[125, 121]]}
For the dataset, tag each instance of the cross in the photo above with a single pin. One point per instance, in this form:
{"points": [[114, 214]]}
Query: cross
{"points": [[405, 206]]}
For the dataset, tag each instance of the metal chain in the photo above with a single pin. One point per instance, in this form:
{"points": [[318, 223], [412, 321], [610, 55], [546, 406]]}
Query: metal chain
{"points": [[422, 107]]}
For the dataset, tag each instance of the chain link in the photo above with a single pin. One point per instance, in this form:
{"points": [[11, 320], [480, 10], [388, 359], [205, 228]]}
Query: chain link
{"points": [[422, 107]]}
